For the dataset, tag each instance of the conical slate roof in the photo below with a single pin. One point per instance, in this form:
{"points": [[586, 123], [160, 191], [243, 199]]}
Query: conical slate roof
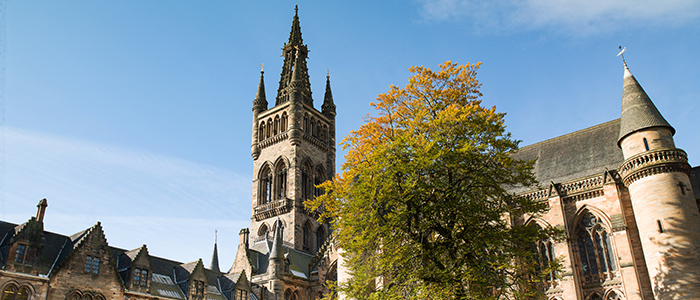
{"points": [[214, 265], [328, 106], [638, 112], [260, 102], [276, 251]]}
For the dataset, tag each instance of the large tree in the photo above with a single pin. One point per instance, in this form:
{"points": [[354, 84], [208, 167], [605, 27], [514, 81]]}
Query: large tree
{"points": [[422, 208]]}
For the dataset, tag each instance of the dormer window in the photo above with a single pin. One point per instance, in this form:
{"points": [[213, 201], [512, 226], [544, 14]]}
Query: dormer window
{"points": [[199, 288], [140, 277], [92, 264], [25, 254]]}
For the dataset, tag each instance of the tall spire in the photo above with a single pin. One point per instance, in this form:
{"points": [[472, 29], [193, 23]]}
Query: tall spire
{"points": [[638, 112], [295, 33], [260, 102], [328, 107], [214, 265], [295, 54]]}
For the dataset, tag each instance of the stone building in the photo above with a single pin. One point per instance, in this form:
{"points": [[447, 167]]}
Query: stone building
{"points": [[37, 264], [286, 251], [625, 196], [622, 193]]}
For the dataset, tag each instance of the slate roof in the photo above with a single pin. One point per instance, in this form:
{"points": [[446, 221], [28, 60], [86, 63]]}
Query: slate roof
{"points": [[695, 182], [638, 112], [575, 155], [53, 253], [259, 254], [57, 248]]}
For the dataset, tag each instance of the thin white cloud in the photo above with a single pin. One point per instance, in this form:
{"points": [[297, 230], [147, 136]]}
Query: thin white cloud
{"points": [[170, 204], [575, 17]]}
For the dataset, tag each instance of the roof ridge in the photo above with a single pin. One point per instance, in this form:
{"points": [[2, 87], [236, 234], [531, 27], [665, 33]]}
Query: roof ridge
{"points": [[591, 128]]}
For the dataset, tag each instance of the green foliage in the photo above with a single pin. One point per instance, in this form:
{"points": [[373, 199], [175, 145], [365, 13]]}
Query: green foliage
{"points": [[421, 208]]}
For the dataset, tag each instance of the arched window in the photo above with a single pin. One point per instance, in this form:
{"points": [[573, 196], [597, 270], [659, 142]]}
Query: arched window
{"points": [[595, 249], [320, 237], [11, 292], [543, 252], [265, 186], [305, 124], [288, 295], [261, 131], [312, 127], [283, 122], [318, 179], [613, 296], [281, 181], [305, 182], [269, 128], [317, 133], [594, 296], [275, 131], [262, 231], [305, 233], [74, 296]]}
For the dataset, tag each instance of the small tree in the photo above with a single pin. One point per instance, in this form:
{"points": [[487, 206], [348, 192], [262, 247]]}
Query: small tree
{"points": [[422, 208]]}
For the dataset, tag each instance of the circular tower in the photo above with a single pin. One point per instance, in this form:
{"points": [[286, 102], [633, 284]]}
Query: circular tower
{"points": [[656, 174]]}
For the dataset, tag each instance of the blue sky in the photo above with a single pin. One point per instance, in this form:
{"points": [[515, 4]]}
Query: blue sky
{"points": [[138, 113]]}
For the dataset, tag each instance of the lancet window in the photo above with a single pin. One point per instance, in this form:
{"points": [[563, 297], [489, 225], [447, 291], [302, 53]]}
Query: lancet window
{"points": [[306, 182], [283, 122], [265, 186], [281, 181], [262, 131], [276, 127], [596, 252], [320, 237], [544, 255], [318, 179], [306, 236]]}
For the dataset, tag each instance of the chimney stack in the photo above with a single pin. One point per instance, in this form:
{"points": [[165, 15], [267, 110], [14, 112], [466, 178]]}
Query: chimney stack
{"points": [[41, 210]]}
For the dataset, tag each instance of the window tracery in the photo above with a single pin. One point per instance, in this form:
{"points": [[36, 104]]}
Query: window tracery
{"points": [[281, 181], [595, 249], [265, 186], [305, 182], [12, 292]]}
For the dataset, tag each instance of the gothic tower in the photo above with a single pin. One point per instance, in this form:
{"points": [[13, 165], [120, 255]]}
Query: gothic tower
{"points": [[656, 174], [293, 149]]}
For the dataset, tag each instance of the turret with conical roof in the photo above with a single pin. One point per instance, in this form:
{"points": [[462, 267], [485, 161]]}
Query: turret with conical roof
{"points": [[214, 264], [328, 107], [638, 112], [655, 173], [259, 105]]}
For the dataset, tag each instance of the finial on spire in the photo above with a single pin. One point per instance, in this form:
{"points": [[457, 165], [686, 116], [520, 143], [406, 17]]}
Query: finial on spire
{"points": [[622, 50], [216, 235], [328, 73], [262, 68], [295, 34]]}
